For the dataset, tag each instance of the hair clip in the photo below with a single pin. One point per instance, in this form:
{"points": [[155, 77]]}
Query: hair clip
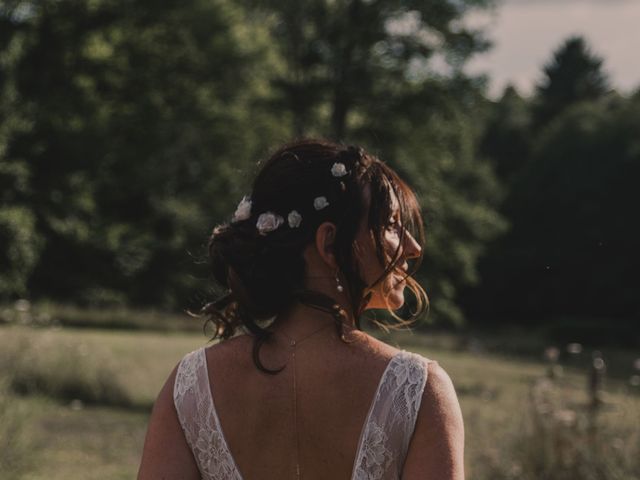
{"points": [[243, 211], [268, 222], [320, 202], [338, 170], [294, 219]]}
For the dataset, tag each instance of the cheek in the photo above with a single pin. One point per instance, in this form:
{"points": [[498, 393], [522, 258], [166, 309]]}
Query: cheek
{"points": [[368, 263], [370, 266], [392, 291]]}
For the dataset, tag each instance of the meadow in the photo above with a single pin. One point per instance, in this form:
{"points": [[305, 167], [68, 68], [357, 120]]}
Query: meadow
{"points": [[75, 400]]}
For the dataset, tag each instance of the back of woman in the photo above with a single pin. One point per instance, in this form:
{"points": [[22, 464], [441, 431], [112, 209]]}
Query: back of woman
{"points": [[296, 389]]}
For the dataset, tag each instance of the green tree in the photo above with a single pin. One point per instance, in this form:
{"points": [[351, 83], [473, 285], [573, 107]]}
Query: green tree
{"points": [[338, 55], [140, 116], [143, 116], [574, 74], [507, 139], [20, 243], [572, 250], [361, 70], [432, 139]]}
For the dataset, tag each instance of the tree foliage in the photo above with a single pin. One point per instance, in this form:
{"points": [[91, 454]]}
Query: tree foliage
{"points": [[341, 55], [573, 75], [572, 247], [360, 71], [507, 141], [20, 242], [128, 130], [135, 139], [570, 196]]}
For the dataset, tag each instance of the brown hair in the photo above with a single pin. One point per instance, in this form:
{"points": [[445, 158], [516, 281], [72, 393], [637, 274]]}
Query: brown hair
{"points": [[262, 274]]}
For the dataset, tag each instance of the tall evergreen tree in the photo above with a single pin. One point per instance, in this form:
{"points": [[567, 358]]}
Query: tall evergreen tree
{"points": [[574, 74], [571, 254], [507, 139]]}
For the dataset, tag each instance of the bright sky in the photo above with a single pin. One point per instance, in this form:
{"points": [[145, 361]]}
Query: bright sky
{"points": [[526, 32]]}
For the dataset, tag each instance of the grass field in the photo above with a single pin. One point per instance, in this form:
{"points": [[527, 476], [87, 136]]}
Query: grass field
{"points": [[86, 395]]}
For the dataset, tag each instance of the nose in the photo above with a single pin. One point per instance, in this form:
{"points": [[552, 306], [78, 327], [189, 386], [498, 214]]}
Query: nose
{"points": [[412, 248]]}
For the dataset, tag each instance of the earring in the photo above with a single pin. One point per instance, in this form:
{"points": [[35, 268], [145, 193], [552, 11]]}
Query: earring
{"points": [[339, 286]]}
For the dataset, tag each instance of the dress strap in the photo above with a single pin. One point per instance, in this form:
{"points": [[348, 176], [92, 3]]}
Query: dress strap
{"points": [[392, 418], [196, 413]]}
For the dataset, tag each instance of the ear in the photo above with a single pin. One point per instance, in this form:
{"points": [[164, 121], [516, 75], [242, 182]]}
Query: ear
{"points": [[325, 243]]}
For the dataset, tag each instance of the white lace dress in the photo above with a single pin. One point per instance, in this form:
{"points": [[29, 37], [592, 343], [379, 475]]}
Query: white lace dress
{"points": [[384, 439]]}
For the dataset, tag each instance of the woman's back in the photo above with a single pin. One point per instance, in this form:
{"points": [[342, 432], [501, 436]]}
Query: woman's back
{"points": [[326, 233], [253, 432]]}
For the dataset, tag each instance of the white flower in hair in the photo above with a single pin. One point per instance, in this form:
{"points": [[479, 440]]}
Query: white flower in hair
{"points": [[320, 202], [294, 219], [268, 222], [243, 211], [338, 170]]}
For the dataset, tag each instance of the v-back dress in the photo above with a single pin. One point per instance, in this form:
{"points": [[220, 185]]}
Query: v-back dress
{"points": [[384, 438]]}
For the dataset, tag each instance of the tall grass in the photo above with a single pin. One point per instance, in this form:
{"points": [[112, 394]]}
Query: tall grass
{"points": [[48, 314], [519, 425], [67, 371], [15, 450], [561, 436]]}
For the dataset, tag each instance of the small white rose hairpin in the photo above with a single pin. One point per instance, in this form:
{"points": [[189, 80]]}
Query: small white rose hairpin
{"points": [[320, 202], [294, 219], [268, 222], [338, 170], [243, 211]]}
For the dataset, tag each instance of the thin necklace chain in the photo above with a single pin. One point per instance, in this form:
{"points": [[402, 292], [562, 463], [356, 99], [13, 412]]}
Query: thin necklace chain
{"points": [[293, 343]]}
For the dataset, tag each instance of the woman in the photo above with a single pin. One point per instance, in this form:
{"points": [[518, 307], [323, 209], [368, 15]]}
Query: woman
{"points": [[296, 389]]}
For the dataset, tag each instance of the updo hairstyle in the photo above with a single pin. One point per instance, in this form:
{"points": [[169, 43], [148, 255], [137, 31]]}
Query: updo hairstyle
{"points": [[263, 274]]}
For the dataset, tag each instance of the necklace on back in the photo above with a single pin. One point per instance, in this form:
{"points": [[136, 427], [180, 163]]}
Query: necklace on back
{"points": [[292, 344]]}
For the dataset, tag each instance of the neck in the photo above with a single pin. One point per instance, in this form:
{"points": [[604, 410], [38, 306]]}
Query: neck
{"points": [[301, 320]]}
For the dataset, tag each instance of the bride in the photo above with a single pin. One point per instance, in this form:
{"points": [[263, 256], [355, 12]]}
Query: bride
{"points": [[296, 389]]}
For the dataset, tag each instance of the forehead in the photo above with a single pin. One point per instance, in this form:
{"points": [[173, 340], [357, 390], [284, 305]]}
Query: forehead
{"points": [[394, 204]]}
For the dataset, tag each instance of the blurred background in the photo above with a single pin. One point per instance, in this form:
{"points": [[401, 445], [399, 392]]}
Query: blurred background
{"points": [[130, 128]]}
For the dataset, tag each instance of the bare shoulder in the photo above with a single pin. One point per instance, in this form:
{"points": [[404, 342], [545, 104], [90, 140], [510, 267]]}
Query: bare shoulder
{"points": [[437, 446], [166, 454], [371, 345], [439, 396]]}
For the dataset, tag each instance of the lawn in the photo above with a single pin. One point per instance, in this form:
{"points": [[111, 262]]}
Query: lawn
{"points": [[518, 425]]}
